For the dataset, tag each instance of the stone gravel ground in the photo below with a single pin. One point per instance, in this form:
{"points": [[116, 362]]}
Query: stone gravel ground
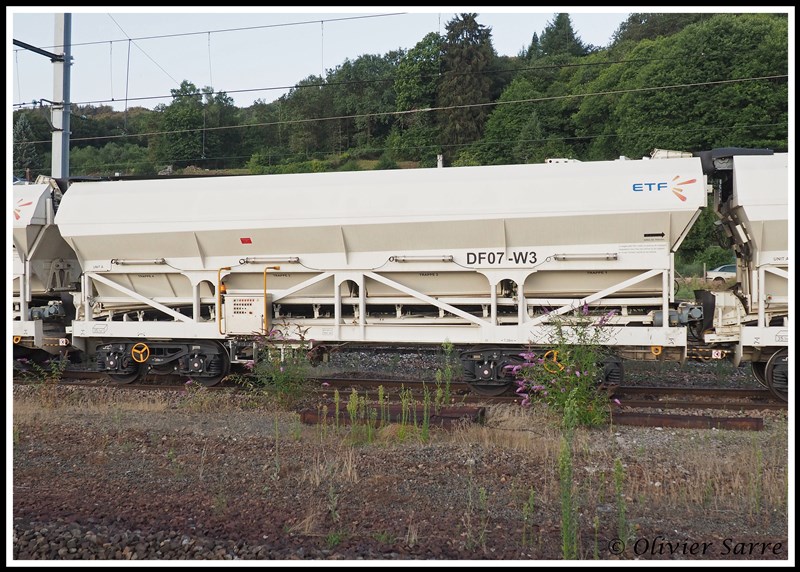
{"points": [[110, 474]]}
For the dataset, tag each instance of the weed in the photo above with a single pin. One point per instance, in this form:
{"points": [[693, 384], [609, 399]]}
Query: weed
{"points": [[196, 398], [336, 401], [569, 540], [322, 426], [276, 465], [475, 525], [46, 379], [623, 527], [412, 533], [334, 539], [756, 485], [50, 374], [444, 376], [570, 370], [569, 518], [297, 429], [384, 537], [383, 404], [528, 511], [220, 502], [333, 503], [426, 415], [406, 401], [175, 466], [280, 364]]}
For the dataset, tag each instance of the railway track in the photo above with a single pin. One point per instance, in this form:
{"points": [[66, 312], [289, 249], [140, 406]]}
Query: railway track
{"points": [[660, 397], [733, 399], [633, 405]]}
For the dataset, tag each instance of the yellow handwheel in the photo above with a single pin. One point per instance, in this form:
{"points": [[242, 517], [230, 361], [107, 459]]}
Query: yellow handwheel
{"points": [[559, 367], [655, 350], [17, 339], [140, 352]]}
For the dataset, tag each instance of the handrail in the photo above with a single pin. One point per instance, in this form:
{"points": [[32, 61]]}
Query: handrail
{"points": [[264, 317], [219, 299]]}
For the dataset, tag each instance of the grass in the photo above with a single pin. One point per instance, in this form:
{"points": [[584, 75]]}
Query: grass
{"points": [[619, 474]]}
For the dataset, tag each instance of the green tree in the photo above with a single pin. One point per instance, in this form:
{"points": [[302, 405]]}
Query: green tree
{"points": [[465, 86], [221, 140], [649, 26], [24, 153], [747, 113], [364, 90], [181, 144], [417, 74], [534, 49], [111, 159], [414, 135], [303, 111], [559, 38], [263, 135]]}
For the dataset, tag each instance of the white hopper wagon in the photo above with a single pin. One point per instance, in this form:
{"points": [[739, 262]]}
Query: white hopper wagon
{"points": [[44, 269], [752, 203], [482, 257]]}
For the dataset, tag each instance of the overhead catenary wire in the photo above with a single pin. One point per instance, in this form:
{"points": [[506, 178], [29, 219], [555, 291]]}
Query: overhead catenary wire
{"points": [[326, 83], [439, 108], [133, 40], [491, 143], [239, 29], [181, 34], [246, 28]]}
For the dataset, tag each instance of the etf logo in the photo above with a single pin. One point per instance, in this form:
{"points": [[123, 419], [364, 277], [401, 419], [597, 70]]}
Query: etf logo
{"points": [[661, 186]]}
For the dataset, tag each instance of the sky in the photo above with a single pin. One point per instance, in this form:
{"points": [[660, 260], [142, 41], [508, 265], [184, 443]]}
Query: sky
{"points": [[282, 46]]}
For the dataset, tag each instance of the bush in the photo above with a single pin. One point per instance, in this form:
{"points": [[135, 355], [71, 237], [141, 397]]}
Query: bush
{"points": [[570, 371], [280, 366]]}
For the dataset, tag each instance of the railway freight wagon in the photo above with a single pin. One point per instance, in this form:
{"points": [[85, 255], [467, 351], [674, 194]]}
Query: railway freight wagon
{"points": [[44, 270], [752, 318], [179, 275]]}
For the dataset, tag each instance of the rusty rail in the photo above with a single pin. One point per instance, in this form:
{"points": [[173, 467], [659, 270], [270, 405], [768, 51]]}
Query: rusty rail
{"points": [[687, 421], [446, 417]]}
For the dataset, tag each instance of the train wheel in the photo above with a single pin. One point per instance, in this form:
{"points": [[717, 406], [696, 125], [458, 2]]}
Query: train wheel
{"points": [[489, 389], [218, 366], [759, 372], [777, 374], [128, 377]]}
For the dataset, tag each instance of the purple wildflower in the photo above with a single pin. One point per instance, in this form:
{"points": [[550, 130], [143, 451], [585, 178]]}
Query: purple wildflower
{"points": [[604, 320], [249, 365], [325, 384]]}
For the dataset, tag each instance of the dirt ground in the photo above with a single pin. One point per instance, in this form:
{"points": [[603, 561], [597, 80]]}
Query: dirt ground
{"points": [[107, 473]]}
